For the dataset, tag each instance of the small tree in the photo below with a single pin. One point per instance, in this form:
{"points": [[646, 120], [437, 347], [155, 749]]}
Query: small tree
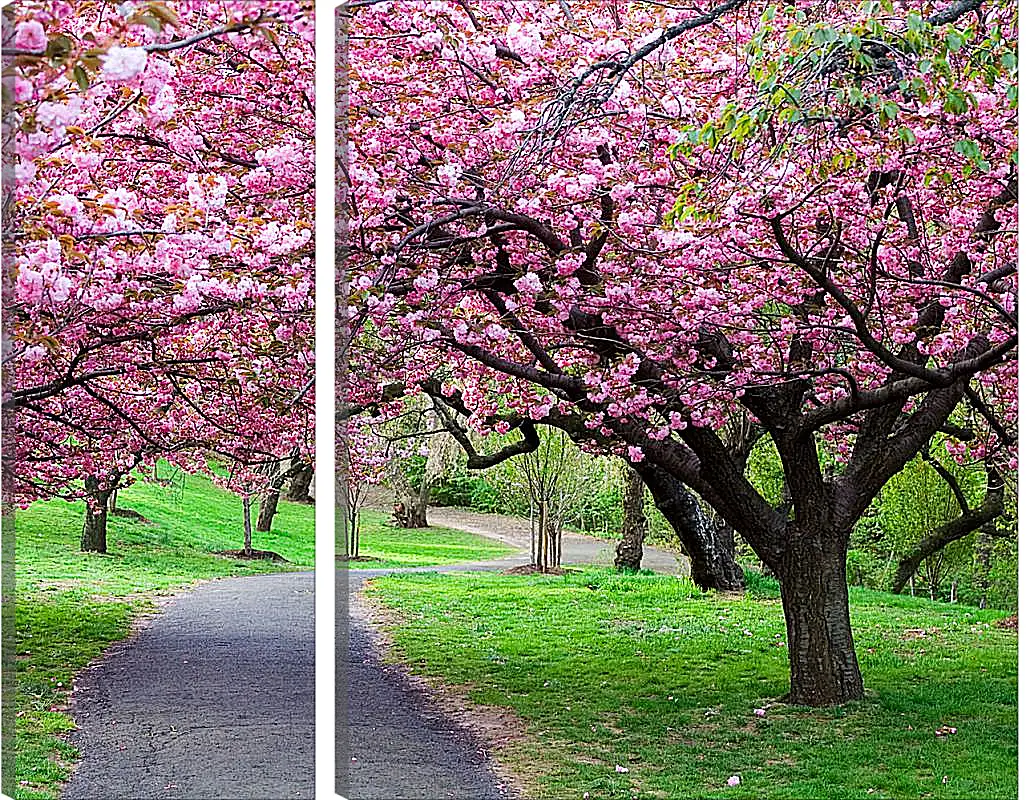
{"points": [[553, 479]]}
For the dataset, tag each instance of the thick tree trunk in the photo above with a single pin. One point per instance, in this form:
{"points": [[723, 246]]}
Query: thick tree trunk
{"points": [[94, 529], [268, 508], [814, 590], [713, 565], [299, 486], [629, 549], [411, 514], [411, 509]]}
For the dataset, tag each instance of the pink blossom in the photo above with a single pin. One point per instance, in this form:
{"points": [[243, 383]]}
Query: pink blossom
{"points": [[123, 63], [30, 36], [734, 780]]}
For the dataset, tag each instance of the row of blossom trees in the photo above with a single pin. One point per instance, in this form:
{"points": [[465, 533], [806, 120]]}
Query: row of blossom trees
{"points": [[158, 298], [652, 225]]}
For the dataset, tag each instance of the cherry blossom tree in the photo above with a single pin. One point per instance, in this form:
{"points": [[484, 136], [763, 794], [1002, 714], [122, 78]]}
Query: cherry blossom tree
{"points": [[159, 302], [640, 221]]}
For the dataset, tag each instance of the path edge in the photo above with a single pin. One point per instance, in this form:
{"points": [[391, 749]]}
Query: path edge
{"points": [[450, 701]]}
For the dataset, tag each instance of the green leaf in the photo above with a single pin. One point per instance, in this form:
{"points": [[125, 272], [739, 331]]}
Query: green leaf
{"points": [[955, 102], [81, 77], [58, 48]]}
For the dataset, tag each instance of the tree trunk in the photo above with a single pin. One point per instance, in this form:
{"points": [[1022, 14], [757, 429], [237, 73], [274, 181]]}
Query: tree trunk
{"points": [[268, 508], [553, 545], [629, 549], [543, 542], [247, 527], [814, 590], [534, 551], [112, 501], [413, 516], [94, 529], [411, 511], [299, 486], [713, 565], [353, 543]]}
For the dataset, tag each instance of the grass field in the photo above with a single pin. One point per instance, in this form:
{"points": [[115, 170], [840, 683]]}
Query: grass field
{"points": [[641, 686], [387, 546], [70, 606]]}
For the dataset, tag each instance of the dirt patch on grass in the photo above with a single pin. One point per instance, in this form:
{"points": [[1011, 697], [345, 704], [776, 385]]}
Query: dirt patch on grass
{"points": [[1009, 623], [919, 633], [57, 586], [496, 728], [254, 555], [532, 569], [127, 513]]}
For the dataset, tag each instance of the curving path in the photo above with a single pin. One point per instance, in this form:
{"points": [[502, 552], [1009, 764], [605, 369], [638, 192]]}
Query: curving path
{"points": [[213, 699], [577, 548], [391, 743]]}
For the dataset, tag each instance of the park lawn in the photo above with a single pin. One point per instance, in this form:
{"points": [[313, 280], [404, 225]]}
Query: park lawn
{"points": [[386, 546], [71, 606], [649, 674]]}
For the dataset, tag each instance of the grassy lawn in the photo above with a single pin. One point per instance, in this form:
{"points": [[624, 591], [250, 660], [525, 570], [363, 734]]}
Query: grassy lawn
{"points": [[388, 546], [648, 674], [70, 606]]}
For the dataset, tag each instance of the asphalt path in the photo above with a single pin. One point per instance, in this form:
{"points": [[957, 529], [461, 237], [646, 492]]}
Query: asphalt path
{"points": [[213, 699], [392, 741]]}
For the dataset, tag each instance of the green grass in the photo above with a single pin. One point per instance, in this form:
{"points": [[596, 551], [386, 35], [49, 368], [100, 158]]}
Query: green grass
{"points": [[70, 606], [647, 673], [388, 546]]}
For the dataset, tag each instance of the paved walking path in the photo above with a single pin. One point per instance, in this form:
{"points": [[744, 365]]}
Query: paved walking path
{"points": [[214, 699], [391, 742]]}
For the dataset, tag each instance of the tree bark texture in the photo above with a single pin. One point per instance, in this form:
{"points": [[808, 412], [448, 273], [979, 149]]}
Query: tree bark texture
{"points": [[629, 550], [268, 508], [814, 590], [299, 486], [713, 565], [94, 529]]}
